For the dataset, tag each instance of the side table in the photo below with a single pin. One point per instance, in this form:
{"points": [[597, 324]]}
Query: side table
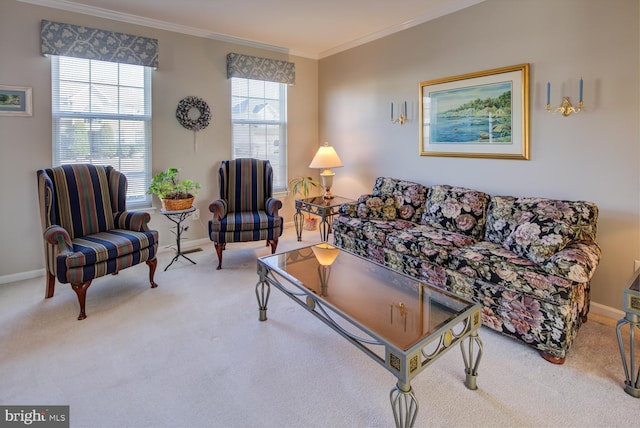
{"points": [[317, 205], [178, 217], [632, 317]]}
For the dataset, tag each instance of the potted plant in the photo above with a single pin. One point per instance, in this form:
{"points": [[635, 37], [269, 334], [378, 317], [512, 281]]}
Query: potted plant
{"points": [[302, 185], [174, 193]]}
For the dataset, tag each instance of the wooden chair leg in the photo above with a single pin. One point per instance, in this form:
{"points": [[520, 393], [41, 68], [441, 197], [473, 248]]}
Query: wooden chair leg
{"points": [[81, 291], [152, 271], [219, 249], [274, 245], [51, 285]]}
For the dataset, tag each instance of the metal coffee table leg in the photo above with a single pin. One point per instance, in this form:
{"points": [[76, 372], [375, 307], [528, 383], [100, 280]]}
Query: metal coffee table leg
{"points": [[471, 359], [262, 293], [404, 404]]}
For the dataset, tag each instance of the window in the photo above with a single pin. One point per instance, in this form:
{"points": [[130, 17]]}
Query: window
{"points": [[259, 124], [102, 115]]}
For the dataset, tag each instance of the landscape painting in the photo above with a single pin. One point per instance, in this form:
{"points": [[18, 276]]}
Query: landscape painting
{"points": [[477, 114], [482, 114], [15, 101]]}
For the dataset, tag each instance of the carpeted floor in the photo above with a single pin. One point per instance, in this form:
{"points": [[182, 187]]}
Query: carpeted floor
{"points": [[192, 353]]}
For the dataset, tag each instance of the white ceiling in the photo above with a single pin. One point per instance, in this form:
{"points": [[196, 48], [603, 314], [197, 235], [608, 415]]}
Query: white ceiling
{"points": [[308, 28]]}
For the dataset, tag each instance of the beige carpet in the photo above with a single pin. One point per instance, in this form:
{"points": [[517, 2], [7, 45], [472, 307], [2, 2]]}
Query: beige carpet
{"points": [[192, 353]]}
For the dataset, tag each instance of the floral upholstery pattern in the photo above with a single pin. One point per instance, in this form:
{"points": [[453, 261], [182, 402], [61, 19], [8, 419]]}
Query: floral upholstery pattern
{"points": [[505, 213], [390, 199], [374, 231], [528, 261], [538, 239], [456, 209]]}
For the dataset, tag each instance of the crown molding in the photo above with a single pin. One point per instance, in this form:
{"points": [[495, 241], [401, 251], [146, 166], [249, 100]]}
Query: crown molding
{"points": [[198, 32]]}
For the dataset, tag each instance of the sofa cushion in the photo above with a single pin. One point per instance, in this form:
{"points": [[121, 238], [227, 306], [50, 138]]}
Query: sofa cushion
{"points": [[427, 242], [456, 209], [392, 198], [372, 231], [538, 238], [505, 213], [491, 262]]}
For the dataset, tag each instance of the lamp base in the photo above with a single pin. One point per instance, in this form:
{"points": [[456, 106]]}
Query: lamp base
{"points": [[327, 182]]}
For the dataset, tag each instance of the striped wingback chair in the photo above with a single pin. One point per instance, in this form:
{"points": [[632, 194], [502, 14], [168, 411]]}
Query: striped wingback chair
{"points": [[88, 232], [246, 210]]}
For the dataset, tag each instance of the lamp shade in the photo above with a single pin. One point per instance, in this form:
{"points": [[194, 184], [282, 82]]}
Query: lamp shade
{"points": [[325, 253], [326, 157]]}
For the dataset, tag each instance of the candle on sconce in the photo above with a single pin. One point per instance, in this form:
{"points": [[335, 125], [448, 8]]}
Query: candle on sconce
{"points": [[405, 108], [391, 111], [580, 91], [548, 93]]}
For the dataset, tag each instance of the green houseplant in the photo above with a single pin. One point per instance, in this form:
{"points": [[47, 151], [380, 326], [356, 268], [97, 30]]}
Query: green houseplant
{"points": [[175, 194], [302, 185]]}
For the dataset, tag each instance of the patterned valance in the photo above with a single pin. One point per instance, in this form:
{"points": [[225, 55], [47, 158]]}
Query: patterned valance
{"points": [[253, 67], [90, 43]]}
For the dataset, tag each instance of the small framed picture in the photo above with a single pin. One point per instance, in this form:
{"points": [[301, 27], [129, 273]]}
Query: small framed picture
{"points": [[15, 101]]}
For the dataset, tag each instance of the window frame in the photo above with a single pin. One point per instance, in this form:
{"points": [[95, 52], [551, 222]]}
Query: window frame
{"points": [[279, 159], [140, 200]]}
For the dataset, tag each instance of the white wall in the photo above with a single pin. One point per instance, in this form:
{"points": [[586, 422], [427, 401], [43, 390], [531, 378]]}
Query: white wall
{"points": [[592, 156], [187, 66]]}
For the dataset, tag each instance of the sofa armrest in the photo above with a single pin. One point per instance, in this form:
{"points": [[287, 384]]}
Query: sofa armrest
{"points": [[219, 208], [137, 221], [576, 262], [58, 236]]}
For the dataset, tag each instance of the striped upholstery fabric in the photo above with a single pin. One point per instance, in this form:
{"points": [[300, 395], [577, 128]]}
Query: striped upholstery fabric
{"points": [[87, 231], [246, 189], [82, 199], [246, 184]]}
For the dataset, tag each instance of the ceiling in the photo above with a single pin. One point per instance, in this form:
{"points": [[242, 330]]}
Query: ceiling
{"points": [[308, 28]]}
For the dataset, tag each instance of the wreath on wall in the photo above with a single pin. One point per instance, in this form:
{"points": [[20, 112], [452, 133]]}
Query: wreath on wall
{"points": [[184, 107]]}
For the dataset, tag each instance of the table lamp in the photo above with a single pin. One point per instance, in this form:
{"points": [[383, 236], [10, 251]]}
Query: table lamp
{"points": [[326, 158]]}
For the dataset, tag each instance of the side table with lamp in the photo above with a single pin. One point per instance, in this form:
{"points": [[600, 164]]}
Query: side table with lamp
{"points": [[325, 206]]}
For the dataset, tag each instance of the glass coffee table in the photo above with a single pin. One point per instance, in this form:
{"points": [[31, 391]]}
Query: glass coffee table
{"points": [[402, 323]]}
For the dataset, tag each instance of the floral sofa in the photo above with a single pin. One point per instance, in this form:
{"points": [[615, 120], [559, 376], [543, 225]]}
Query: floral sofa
{"points": [[528, 261]]}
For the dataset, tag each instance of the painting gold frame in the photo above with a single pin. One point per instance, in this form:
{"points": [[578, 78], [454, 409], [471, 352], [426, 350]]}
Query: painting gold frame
{"points": [[479, 115]]}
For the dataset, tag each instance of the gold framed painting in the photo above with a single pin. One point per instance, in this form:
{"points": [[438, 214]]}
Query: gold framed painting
{"points": [[480, 115], [15, 101]]}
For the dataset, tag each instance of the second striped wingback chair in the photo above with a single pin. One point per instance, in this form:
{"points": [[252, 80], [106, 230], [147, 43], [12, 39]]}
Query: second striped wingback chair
{"points": [[246, 210], [88, 232]]}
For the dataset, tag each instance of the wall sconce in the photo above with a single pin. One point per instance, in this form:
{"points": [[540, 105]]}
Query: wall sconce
{"points": [[402, 118], [566, 108]]}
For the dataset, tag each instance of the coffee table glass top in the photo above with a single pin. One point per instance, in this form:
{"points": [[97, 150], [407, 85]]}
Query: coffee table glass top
{"points": [[393, 306]]}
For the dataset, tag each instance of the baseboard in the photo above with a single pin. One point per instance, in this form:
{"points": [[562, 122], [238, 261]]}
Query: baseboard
{"points": [[20, 276], [606, 311]]}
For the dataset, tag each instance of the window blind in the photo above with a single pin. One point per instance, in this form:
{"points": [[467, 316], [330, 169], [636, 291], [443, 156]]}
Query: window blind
{"points": [[259, 124], [101, 114]]}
